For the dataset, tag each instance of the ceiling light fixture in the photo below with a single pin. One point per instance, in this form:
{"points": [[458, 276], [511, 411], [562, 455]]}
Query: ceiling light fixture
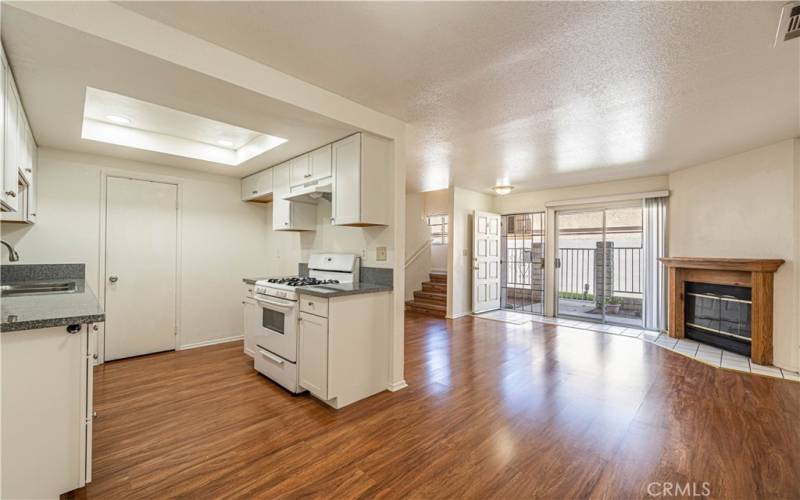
{"points": [[225, 143], [501, 190], [118, 119]]}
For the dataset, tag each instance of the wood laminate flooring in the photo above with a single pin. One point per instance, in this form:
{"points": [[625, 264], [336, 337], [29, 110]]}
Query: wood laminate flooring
{"points": [[492, 410]]}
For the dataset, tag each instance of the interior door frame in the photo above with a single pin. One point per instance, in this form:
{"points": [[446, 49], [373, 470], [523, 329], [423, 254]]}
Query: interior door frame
{"points": [[101, 264]]}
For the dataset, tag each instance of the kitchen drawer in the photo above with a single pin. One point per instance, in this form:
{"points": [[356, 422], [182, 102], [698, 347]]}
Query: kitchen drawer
{"points": [[314, 305], [276, 368]]}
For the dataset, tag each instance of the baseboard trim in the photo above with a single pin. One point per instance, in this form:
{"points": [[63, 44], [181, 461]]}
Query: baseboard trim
{"points": [[210, 342], [396, 386]]}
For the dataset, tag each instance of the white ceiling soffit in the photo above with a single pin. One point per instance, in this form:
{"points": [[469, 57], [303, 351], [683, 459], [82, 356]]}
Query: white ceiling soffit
{"points": [[129, 122], [54, 65], [538, 94]]}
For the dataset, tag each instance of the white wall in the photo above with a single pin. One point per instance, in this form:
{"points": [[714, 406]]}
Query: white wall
{"points": [[745, 206], [463, 203], [223, 239]]}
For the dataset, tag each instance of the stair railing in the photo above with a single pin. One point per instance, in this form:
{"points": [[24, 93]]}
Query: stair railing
{"points": [[416, 254]]}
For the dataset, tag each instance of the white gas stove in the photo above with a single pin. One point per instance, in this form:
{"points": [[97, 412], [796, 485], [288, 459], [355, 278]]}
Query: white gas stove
{"points": [[323, 269], [276, 337]]}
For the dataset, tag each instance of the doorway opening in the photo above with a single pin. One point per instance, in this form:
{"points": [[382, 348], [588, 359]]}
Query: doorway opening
{"points": [[599, 266], [522, 267]]}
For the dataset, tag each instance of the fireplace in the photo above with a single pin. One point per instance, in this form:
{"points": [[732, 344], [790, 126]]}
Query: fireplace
{"points": [[719, 315], [723, 302]]}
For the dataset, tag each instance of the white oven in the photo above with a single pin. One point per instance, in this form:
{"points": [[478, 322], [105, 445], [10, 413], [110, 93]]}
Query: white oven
{"points": [[277, 329]]}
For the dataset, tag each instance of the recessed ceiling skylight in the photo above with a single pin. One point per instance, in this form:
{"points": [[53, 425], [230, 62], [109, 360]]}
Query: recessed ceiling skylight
{"points": [[125, 121]]}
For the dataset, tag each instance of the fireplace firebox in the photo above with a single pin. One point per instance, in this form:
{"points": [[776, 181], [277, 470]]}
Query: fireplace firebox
{"points": [[719, 315]]}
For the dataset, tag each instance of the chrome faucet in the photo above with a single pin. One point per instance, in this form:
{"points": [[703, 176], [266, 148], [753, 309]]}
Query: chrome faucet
{"points": [[13, 256]]}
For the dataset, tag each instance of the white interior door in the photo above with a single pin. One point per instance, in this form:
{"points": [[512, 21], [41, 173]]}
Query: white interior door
{"points": [[486, 262], [141, 267]]}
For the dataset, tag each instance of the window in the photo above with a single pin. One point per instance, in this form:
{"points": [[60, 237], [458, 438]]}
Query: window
{"points": [[438, 226]]}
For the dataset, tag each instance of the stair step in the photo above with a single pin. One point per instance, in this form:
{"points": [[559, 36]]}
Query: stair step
{"points": [[433, 297], [438, 277], [432, 309], [430, 286]]}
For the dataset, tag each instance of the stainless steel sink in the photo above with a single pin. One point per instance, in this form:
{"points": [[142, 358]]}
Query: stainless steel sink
{"points": [[30, 288]]}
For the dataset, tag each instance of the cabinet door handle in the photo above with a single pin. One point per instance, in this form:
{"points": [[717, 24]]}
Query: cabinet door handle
{"points": [[12, 194], [307, 176], [28, 170], [255, 192]]}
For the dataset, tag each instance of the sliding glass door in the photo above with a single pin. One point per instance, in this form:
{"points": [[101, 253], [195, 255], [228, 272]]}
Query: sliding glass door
{"points": [[522, 266], [599, 264]]}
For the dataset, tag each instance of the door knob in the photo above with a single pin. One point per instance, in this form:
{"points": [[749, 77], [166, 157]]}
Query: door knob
{"points": [[113, 278]]}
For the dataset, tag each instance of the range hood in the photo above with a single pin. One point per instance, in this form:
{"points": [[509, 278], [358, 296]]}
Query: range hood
{"points": [[310, 193]]}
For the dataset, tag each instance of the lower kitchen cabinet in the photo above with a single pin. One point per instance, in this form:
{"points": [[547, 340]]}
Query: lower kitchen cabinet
{"points": [[344, 357], [251, 321], [46, 410], [313, 354]]}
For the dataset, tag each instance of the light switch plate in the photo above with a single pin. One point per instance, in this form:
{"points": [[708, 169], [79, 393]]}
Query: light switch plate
{"points": [[464, 252], [380, 253]]}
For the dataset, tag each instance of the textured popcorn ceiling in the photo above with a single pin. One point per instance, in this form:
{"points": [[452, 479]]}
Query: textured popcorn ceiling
{"points": [[535, 94]]}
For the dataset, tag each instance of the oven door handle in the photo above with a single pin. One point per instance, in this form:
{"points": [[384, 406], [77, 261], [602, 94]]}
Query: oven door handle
{"points": [[269, 355], [284, 305]]}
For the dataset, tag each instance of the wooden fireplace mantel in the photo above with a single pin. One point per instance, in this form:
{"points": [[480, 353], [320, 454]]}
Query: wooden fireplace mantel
{"points": [[757, 274]]}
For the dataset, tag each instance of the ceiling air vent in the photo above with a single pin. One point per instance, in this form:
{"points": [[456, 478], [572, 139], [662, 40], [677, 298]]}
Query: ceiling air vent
{"points": [[789, 22]]}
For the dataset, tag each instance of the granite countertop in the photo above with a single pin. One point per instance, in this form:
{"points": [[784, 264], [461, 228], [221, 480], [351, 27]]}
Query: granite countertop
{"points": [[343, 289], [43, 310]]}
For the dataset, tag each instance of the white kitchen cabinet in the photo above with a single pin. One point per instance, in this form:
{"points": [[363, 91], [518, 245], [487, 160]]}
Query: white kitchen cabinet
{"points": [[311, 167], [300, 169], [251, 322], [47, 411], [288, 215], [313, 354], [18, 152], [258, 187], [344, 357], [362, 181], [11, 147]]}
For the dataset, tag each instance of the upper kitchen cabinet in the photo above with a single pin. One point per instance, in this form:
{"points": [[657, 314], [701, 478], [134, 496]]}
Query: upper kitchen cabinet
{"points": [[311, 167], [258, 187], [18, 198], [11, 140], [288, 215], [18, 152], [362, 181]]}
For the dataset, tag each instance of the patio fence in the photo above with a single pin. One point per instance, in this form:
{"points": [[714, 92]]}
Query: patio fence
{"points": [[578, 270]]}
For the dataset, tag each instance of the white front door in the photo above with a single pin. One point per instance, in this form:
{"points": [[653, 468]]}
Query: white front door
{"points": [[486, 262], [141, 267]]}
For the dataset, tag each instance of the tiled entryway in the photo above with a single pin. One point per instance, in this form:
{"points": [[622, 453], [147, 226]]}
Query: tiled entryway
{"points": [[687, 347]]}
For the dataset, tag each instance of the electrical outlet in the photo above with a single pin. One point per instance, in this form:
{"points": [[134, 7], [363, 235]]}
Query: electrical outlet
{"points": [[363, 254], [380, 253]]}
